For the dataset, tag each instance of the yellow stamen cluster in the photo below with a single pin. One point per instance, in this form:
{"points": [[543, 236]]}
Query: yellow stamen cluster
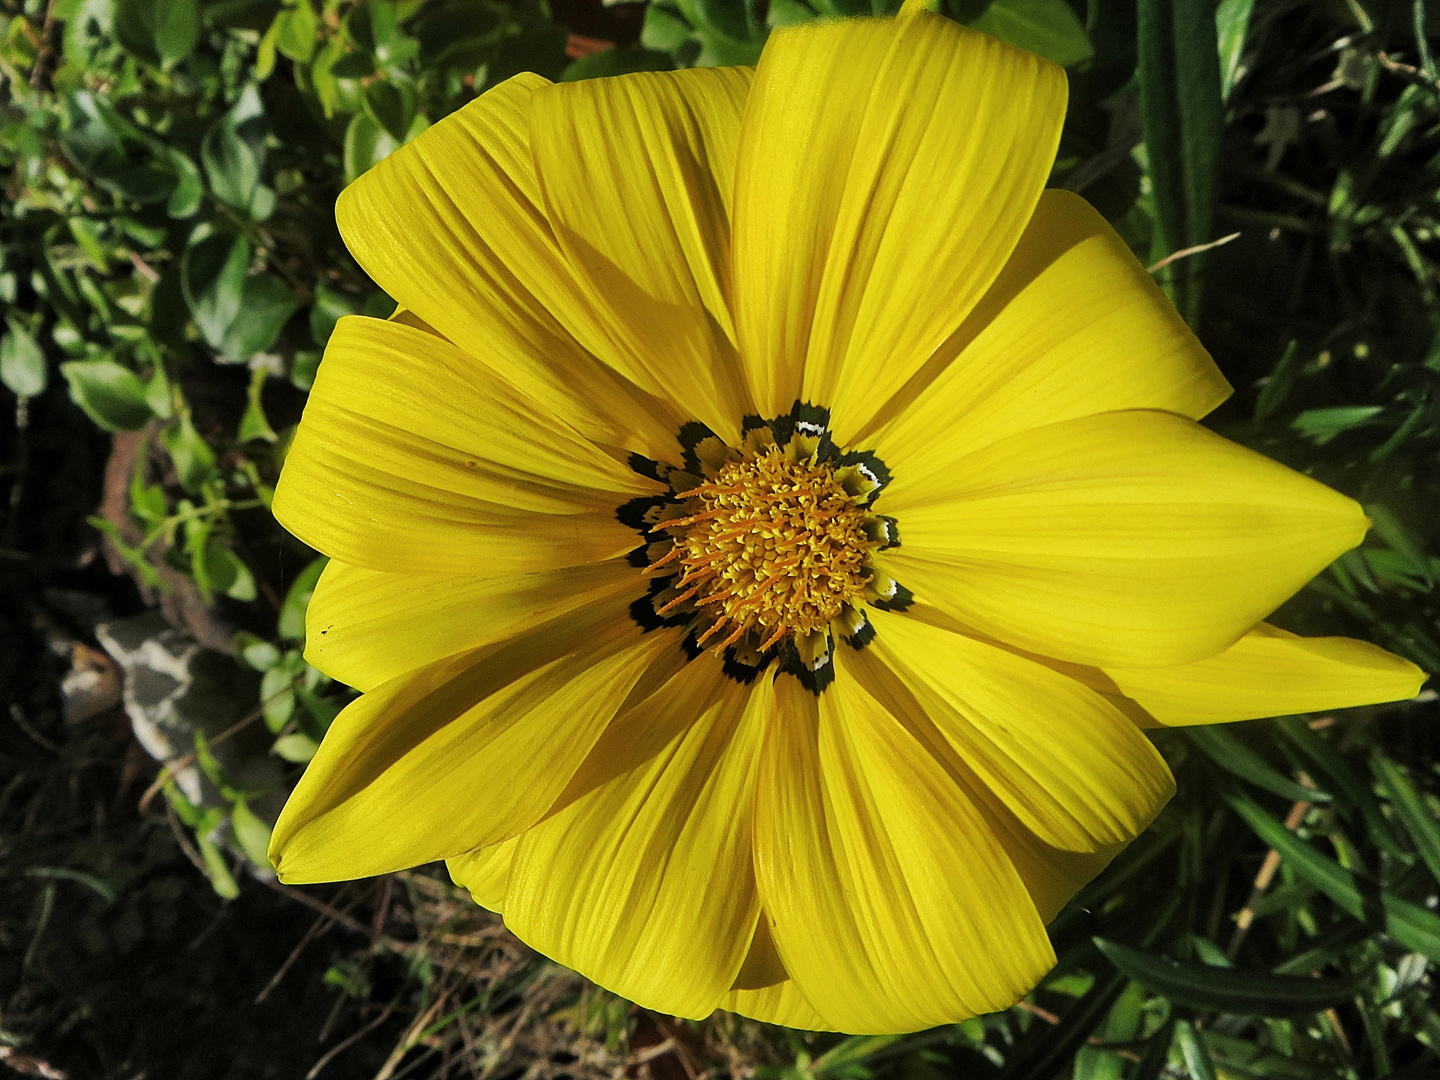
{"points": [[770, 545]]}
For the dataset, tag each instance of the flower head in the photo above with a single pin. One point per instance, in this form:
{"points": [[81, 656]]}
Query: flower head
{"points": [[767, 526]]}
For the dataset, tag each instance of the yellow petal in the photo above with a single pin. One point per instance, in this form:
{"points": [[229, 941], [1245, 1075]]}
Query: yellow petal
{"points": [[641, 879], [893, 905], [1074, 326], [1270, 672], [366, 627], [1128, 538], [485, 873], [763, 989], [780, 1003], [637, 173], [413, 457], [1070, 766], [451, 225], [872, 213], [463, 753]]}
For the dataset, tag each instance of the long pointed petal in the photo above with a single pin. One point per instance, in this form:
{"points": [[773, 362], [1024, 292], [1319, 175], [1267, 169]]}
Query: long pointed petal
{"points": [[637, 173], [1129, 538], [366, 627], [1270, 672], [1074, 326], [485, 873], [642, 879], [461, 754], [893, 905], [452, 226], [1071, 767], [412, 457], [872, 213]]}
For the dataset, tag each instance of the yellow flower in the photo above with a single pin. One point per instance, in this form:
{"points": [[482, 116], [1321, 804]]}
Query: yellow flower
{"points": [[767, 526]]}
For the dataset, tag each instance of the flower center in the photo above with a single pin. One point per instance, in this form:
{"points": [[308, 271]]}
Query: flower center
{"points": [[777, 546], [764, 553]]}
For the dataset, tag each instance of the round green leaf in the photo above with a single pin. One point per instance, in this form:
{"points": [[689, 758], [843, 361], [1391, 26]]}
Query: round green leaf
{"points": [[111, 395], [22, 364]]}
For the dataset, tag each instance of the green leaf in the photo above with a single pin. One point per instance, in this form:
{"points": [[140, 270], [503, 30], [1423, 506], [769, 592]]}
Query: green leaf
{"points": [[330, 307], [1192, 1049], [258, 653], [193, 458], [212, 278], [1322, 425], [252, 834], [620, 60], [1410, 807], [1277, 386], [1178, 71], [162, 31], [460, 32], [189, 191], [297, 600], [391, 106], [296, 32], [296, 748], [230, 165], [303, 367], [227, 573], [664, 30], [1235, 757], [211, 767], [1402, 542], [1354, 799], [1229, 990], [111, 395], [277, 697], [266, 303], [322, 710], [1047, 27], [157, 392], [1232, 21], [366, 144], [221, 880], [254, 425], [22, 364], [1408, 924]]}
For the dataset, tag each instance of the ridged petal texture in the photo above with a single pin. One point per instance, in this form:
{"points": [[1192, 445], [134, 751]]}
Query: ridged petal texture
{"points": [[858, 223]]}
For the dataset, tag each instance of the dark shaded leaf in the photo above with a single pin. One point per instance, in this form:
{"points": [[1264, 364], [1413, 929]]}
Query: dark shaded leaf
{"points": [[161, 31], [1229, 990], [266, 303], [620, 60], [297, 600], [212, 277]]}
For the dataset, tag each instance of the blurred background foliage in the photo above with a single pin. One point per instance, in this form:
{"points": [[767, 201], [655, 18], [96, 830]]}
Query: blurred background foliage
{"points": [[170, 271]]}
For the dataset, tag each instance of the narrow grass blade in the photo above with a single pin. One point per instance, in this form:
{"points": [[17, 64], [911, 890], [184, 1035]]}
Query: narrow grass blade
{"points": [[1353, 797], [1178, 70], [1410, 925], [1409, 806], [1197, 1058], [1236, 758]]}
